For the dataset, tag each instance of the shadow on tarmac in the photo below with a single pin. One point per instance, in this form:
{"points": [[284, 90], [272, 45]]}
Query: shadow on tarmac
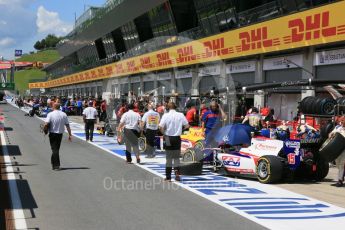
{"points": [[73, 168]]}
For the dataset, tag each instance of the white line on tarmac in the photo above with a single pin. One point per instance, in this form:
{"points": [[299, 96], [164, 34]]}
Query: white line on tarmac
{"points": [[18, 213]]}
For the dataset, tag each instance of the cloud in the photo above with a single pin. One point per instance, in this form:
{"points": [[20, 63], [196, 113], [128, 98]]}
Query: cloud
{"points": [[49, 22], [6, 42], [17, 24]]}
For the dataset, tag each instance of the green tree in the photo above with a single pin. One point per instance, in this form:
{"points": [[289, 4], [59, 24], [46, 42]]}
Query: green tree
{"points": [[38, 45], [50, 41]]}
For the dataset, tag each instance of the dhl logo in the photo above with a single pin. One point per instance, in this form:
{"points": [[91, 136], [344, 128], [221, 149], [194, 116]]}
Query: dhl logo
{"points": [[312, 27]]}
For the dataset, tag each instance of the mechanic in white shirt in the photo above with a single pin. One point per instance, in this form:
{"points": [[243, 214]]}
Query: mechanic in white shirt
{"points": [[90, 117], [56, 121], [340, 161], [171, 126], [150, 122], [130, 121]]}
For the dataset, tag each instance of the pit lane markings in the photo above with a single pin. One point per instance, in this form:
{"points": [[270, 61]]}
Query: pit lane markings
{"points": [[219, 190], [17, 211]]}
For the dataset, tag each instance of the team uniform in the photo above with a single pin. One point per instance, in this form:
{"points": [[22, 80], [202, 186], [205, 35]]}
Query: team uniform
{"points": [[151, 120], [172, 122], [191, 117], [210, 119], [131, 121], [57, 121], [90, 115]]}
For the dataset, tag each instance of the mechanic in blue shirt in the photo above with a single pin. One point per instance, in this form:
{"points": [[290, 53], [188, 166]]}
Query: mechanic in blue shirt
{"points": [[212, 117], [79, 107]]}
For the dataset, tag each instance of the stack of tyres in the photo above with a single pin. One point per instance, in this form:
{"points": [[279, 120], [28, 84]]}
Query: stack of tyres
{"points": [[341, 103], [318, 105]]}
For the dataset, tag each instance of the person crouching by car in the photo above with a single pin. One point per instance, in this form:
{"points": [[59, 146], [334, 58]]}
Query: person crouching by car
{"points": [[90, 117], [171, 126], [130, 121], [340, 161], [150, 122]]}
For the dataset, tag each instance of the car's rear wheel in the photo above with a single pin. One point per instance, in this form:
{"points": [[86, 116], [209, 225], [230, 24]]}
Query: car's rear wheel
{"points": [[188, 156], [269, 169], [199, 145], [142, 144]]}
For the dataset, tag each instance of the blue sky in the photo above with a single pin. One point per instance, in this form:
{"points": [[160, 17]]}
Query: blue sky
{"points": [[23, 22]]}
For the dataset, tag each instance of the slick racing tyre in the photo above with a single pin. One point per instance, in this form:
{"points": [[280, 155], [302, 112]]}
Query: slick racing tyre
{"points": [[322, 169], [269, 169], [142, 144], [326, 106], [199, 145], [317, 105], [188, 156], [199, 154], [191, 168], [306, 105], [332, 147], [326, 130]]}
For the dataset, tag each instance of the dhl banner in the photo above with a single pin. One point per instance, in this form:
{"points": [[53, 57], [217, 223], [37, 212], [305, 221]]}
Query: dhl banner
{"points": [[312, 27]]}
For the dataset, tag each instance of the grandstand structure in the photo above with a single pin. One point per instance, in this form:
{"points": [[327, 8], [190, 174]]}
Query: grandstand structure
{"points": [[193, 46]]}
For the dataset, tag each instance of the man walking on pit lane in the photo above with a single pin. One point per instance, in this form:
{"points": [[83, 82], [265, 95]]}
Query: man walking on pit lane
{"points": [[56, 121], [150, 121], [130, 121], [90, 117], [171, 126]]}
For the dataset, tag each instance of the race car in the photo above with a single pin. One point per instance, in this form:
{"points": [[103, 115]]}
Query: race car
{"points": [[43, 112], [192, 139], [269, 160]]}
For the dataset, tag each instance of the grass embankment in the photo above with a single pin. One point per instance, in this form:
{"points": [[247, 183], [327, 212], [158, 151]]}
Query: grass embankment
{"points": [[46, 56], [23, 77]]}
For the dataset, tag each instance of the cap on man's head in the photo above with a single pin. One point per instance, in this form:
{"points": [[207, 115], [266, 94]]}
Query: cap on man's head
{"points": [[90, 103]]}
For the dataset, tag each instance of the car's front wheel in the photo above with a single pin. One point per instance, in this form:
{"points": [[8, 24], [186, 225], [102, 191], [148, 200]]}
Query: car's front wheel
{"points": [[269, 169]]}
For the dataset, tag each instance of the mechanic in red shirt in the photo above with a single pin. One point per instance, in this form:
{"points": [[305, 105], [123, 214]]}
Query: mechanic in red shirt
{"points": [[103, 114], [192, 117]]}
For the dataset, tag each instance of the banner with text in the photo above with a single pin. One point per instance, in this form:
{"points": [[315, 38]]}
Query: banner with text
{"points": [[312, 27]]}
